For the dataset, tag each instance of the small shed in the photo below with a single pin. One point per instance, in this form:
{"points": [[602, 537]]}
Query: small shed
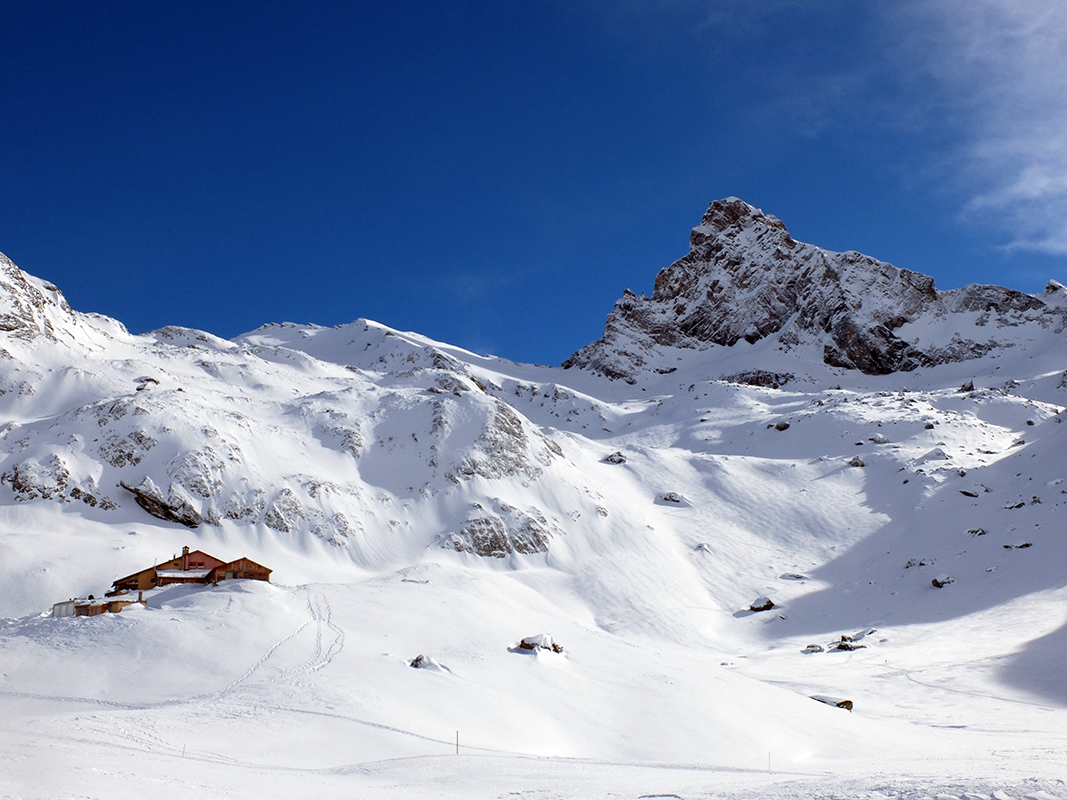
{"points": [[64, 609], [92, 608]]}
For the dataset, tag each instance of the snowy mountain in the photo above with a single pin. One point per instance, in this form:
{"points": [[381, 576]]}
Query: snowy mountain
{"points": [[745, 278], [777, 421]]}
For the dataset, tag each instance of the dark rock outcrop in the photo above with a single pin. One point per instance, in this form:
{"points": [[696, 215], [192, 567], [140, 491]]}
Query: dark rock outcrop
{"points": [[759, 377], [762, 604], [541, 641], [170, 509]]}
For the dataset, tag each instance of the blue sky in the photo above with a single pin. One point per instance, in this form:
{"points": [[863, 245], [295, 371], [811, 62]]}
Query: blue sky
{"points": [[493, 174]]}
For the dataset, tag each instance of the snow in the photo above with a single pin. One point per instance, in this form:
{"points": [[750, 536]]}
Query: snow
{"points": [[343, 458]]}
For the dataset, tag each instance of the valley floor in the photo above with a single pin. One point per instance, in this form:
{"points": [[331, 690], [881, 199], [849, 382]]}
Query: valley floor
{"points": [[257, 690]]}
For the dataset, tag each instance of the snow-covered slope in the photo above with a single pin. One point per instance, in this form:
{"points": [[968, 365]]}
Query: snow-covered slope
{"points": [[821, 429]]}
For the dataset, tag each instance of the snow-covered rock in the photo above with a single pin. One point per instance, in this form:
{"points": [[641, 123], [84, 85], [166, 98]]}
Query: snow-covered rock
{"points": [[540, 641], [762, 603]]}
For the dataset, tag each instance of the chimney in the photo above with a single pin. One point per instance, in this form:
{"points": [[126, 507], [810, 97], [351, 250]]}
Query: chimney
{"points": [[185, 557]]}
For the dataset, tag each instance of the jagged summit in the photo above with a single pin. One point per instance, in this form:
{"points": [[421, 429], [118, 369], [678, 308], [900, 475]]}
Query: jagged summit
{"points": [[746, 278]]}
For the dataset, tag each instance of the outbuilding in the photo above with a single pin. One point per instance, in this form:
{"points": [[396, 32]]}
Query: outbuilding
{"points": [[241, 568]]}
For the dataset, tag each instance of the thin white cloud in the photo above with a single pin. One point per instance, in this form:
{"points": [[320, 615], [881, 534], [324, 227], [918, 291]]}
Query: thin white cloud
{"points": [[998, 69], [980, 85]]}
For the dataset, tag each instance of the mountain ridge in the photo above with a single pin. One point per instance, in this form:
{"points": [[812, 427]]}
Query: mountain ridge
{"points": [[412, 497], [746, 279], [364, 418]]}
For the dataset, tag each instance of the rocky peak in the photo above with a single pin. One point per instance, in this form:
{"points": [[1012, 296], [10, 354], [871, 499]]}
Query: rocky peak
{"points": [[746, 278], [30, 307], [733, 213]]}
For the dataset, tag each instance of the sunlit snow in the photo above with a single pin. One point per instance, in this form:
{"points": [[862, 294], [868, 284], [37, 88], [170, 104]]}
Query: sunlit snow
{"points": [[418, 500]]}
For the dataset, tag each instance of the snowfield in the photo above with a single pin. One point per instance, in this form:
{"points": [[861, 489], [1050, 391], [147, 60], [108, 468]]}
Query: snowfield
{"points": [[416, 499]]}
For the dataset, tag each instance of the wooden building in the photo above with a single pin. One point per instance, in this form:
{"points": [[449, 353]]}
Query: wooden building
{"points": [[241, 568], [189, 567], [194, 566]]}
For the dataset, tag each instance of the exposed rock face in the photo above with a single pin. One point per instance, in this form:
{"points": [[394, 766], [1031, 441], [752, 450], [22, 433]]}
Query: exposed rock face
{"points": [[745, 278], [118, 451], [506, 449], [30, 307], [759, 377], [31, 479], [284, 511], [51, 480], [500, 532]]}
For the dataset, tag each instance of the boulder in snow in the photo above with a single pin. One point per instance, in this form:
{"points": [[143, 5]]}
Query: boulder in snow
{"points": [[761, 604], [836, 702], [425, 662], [541, 641], [937, 454], [856, 461], [614, 458], [859, 636], [942, 580]]}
